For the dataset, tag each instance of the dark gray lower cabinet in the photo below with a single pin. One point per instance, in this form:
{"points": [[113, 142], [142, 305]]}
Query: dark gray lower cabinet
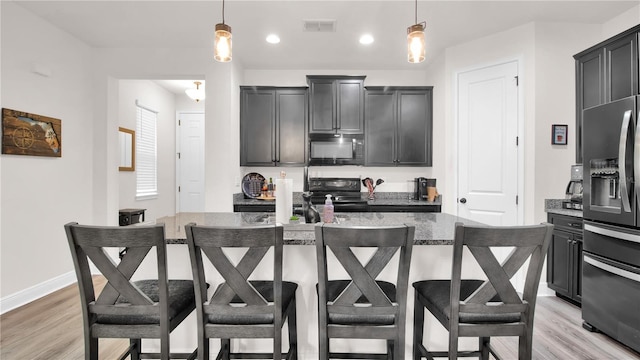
{"points": [[405, 208], [399, 126], [564, 259], [270, 207], [273, 126], [254, 208]]}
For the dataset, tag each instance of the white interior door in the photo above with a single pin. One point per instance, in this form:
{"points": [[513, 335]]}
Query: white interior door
{"points": [[487, 144], [190, 162]]}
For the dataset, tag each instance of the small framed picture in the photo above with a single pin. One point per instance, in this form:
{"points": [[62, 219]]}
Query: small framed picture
{"points": [[559, 134]]}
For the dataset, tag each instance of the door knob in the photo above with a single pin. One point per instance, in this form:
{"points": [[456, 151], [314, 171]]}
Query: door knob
{"points": [[463, 201]]}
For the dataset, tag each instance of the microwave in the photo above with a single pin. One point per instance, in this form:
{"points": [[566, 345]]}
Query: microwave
{"points": [[329, 149]]}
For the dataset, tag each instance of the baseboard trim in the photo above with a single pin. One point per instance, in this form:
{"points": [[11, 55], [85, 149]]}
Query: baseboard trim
{"points": [[543, 290], [35, 292]]}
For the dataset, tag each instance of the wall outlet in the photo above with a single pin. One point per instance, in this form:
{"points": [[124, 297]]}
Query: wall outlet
{"points": [[237, 181]]}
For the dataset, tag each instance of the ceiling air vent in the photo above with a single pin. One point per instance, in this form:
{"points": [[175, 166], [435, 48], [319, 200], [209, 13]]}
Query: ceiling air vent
{"points": [[319, 25]]}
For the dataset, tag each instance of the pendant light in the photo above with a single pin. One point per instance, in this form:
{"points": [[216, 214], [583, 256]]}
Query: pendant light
{"points": [[196, 94], [415, 40], [222, 44]]}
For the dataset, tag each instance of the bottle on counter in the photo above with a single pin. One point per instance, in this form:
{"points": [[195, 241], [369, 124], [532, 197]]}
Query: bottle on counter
{"points": [[271, 188], [327, 215]]}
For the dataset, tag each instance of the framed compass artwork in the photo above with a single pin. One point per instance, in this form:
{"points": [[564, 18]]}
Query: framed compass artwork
{"points": [[30, 134]]}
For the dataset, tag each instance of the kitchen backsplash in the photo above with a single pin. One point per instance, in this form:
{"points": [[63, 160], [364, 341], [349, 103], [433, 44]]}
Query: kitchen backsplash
{"points": [[396, 179]]}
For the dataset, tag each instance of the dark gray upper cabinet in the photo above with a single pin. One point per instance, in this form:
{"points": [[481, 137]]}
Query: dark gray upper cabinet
{"points": [[380, 136], [399, 126], [291, 115], [273, 126], [336, 104], [621, 74], [605, 72]]}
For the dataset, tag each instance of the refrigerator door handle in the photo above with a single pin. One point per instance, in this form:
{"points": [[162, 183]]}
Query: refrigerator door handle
{"points": [[622, 161], [612, 233], [612, 269], [636, 159]]}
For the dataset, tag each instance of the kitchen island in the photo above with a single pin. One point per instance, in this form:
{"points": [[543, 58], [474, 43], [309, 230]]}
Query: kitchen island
{"points": [[431, 259], [431, 228]]}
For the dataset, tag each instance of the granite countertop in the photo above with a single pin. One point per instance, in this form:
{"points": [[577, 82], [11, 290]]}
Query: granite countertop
{"points": [[431, 228], [382, 198], [554, 206]]}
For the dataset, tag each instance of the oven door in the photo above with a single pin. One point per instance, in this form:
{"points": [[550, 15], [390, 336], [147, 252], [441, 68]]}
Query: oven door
{"points": [[611, 298]]}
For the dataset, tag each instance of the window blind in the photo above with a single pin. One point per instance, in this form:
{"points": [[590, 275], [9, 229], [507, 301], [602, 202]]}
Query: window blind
{"points": [[146, 153]]}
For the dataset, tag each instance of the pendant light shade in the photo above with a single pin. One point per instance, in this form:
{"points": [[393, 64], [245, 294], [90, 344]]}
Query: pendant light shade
{"points": [[415, 43], [222, 43], [415, 40], [196, 94]]}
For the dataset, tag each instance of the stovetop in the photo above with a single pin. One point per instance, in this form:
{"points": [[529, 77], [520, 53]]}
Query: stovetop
{"points": [[342, 190]]}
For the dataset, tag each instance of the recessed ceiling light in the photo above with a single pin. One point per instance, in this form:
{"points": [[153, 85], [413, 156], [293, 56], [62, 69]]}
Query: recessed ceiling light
{"points": [[273, 39], [366, 39]]}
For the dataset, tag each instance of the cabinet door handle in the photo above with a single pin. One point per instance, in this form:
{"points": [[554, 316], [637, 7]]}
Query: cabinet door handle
{"points": [[575, 225], [636, 155]]}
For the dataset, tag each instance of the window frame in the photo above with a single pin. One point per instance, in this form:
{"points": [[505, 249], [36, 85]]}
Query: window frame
{"points": [[146, 153]]}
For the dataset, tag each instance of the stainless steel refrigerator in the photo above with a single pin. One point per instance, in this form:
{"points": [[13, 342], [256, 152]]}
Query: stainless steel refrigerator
{"points": [[611, 200]]}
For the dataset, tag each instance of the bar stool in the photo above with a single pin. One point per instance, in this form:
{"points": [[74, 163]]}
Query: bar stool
{"points": [[239, 307], [362, 307], [149, 308], [485, 308]]}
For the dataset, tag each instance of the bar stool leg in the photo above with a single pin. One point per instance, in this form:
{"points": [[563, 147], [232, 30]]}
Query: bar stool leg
{"points": [[418, 326]]}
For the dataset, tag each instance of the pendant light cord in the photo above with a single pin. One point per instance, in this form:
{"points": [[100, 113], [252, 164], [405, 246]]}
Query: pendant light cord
{"points": [[416, 12], [223, 11]]}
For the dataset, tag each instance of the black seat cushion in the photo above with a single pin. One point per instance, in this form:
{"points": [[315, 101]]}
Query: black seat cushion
{"points": [[181, 298], [265, 288], [437, 293], [336, 287]]}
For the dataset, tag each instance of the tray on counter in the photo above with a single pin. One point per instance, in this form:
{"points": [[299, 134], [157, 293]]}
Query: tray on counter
{"points": [[252, 185], [266, 198]]}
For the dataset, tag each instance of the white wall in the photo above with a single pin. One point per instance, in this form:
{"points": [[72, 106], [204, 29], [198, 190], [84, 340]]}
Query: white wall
{"points": [[620, 23], [555, 46], [41, 194], [151, 96]]}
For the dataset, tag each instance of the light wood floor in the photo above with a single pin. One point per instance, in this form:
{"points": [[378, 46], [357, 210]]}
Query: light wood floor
{"points": [[51, 329]]}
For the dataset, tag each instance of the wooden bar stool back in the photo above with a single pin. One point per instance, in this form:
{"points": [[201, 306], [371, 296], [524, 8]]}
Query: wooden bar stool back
{"points": [[485, 308], [362, 307], [141, 309], [240, 307]]}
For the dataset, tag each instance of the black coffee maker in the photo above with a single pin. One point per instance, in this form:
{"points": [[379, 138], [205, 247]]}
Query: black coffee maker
{"points": [[421, 188], [574, 189]]}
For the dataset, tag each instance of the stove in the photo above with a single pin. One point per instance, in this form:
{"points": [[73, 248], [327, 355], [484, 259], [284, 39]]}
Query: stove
{"points": [[345, 193]]}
